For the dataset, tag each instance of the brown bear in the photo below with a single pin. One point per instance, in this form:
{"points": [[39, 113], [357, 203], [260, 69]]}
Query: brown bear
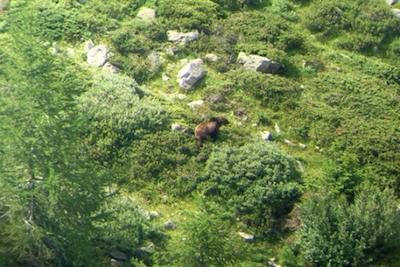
{"points": [[209, 129]]}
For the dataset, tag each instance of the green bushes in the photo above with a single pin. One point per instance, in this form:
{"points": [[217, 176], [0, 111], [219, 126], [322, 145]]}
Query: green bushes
{"points": [[259, 182], [274, 91], [258, 29], [368, 23], [349, 115], [127, 228], [134, 43], [207, 242], [327, 17], [336, 233], [116, 114], [187, 14]]}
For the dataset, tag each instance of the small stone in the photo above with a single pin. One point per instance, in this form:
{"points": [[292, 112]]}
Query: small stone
{"points": [[176, 127], [118, 255], [196, 104], [147, 14], [266, 136], [211, 57], [302, 146], [180, 96], [169, 225], [289, 143], [246, 237], [165, 77], [153, 214]]}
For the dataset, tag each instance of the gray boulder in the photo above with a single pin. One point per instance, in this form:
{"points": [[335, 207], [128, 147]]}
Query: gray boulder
{"points": [[97, 56], [191, 73], [87, 46], [176, 127], [147, 14], [182, 37], [169, 225], [258, 63]]}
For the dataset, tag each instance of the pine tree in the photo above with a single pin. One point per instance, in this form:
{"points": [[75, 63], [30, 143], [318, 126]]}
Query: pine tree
{"points": [[49, 188]]}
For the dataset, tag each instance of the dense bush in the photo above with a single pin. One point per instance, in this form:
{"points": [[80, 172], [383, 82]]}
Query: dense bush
{"points": [[351, 119], [273, 91], [336, 233], [126, 229], [208, 242], [116, 114], [257, 180], [187, 14], [370, 23], [255, 30], [327, 17]]}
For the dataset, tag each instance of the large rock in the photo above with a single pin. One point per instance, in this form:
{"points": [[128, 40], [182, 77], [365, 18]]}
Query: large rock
{"points": [[147, 14], [191, 73], [392, 2], [97, 56], [258, 63], [182, 37]]}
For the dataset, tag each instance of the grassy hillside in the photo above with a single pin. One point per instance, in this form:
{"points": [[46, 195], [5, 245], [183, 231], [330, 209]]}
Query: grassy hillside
{"points": [[118, 137]]}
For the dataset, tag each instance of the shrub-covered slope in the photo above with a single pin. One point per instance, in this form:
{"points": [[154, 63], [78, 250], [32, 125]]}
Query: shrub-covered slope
{"points": [[99, 101]]}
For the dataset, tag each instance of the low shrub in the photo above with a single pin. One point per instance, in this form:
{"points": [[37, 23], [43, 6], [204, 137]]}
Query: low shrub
{"points": [[336, 233], [257, 181]]}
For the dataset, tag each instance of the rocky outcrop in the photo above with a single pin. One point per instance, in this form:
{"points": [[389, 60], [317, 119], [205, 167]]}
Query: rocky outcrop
{"points": [[97, 56], [258, 63], [147, 14], [181, 37], [191, 73]]}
